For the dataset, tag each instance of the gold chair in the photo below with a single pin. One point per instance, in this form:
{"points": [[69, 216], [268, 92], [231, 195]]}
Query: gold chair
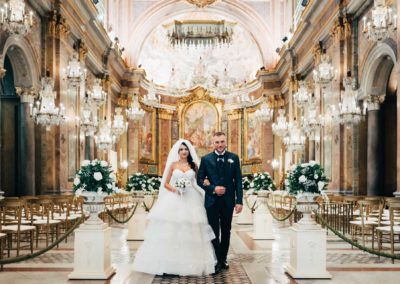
{"points": [[391, 230]]}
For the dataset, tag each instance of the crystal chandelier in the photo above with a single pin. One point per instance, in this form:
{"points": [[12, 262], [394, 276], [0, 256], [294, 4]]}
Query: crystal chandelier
{"points": [[135, 112], [301, 97], [382, 23], [14, 19], [97, 96], [88, 120], [151, 98], [75, 72], [200, 33], [44, 111], [311, 123], [119, 126], [265, 113], [349, 112], [325, 72], [104, 139], [280, 128], [295, 140]]}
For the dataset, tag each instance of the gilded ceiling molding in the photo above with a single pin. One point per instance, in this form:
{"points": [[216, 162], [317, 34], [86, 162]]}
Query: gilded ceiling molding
{"points": [[201, 3]]}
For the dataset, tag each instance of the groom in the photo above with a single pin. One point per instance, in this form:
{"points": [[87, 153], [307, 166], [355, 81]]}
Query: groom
{"points": [[223, 194]]}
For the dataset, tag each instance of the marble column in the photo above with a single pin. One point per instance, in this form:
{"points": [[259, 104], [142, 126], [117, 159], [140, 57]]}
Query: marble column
{"points": [[27, 143], [311, 150], [397, 193], [373, 145], [2, 74]]}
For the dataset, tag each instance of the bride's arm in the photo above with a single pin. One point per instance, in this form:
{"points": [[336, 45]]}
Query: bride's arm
{"points": [[168, 179], [206, 181]]}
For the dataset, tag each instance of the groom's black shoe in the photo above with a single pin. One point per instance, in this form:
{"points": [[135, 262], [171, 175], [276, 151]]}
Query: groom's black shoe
{"points": [[224, 265], [217, 269]]}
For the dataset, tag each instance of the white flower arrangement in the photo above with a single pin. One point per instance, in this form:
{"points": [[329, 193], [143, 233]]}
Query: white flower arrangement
{"points": [[142, 182], [182, 184], [307, 177], [95, 176]]}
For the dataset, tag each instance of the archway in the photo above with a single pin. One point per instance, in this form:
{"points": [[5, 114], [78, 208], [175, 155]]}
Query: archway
{"points": [[379, 86], [17, 128]]}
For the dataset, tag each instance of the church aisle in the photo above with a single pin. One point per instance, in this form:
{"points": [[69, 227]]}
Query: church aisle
{"points": [[256, 262]]}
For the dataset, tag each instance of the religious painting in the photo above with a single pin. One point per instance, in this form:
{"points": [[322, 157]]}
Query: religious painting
{"points": [[147, 137], [252, 137], [234, 136], [200, 122]]}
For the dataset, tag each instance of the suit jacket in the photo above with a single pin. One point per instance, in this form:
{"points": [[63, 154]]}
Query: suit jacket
{"points": [[231, 179]]}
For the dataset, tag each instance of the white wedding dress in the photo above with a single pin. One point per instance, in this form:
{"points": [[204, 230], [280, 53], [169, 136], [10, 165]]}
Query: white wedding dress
{"points": [[178, 237]]}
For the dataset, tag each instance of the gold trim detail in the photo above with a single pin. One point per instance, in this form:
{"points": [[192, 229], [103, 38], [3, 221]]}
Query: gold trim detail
{"points": [[201, 3]]}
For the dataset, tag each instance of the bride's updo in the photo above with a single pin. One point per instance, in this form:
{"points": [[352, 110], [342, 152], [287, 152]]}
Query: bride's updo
{"points": [[189, 158]]}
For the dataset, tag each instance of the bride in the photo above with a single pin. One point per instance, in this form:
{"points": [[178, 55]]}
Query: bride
{"points": [[178, 237]]}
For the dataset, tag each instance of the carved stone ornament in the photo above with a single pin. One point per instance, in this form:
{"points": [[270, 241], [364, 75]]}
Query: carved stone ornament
{"points": [[201, 3]]}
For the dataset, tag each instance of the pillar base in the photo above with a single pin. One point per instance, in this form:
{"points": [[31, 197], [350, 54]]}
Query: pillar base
{"points": [[262, 224], [137, 225]]}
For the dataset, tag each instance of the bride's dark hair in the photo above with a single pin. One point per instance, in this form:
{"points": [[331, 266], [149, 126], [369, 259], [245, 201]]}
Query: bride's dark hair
{"points": [[189, 158]]}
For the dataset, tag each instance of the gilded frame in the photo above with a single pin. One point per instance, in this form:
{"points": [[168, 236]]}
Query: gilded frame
{"points": [[249, 118], [187, 107], [235, 117], [151, 158]]}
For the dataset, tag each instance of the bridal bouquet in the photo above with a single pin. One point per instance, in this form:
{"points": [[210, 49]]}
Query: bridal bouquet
{"points": [[181, 185]]}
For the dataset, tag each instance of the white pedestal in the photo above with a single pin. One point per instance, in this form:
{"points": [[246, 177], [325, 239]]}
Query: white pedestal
{"points": [[137, 225], [262, 224], [246, 217], [92, 253], [308, 252]]}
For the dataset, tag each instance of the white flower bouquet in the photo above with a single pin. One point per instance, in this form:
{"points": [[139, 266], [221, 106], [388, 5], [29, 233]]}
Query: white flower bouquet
{"points": [[96, 176], [182, 184]]}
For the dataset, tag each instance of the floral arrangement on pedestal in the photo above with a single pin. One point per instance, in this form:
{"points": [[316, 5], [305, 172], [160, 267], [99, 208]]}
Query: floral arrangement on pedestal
{"points": [[246, 183], [307, 177], [260, 181], [94, 176], [142, 182]]}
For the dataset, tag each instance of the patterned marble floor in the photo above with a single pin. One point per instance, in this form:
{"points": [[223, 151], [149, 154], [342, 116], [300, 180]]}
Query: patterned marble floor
{"points": [[256, 262]]}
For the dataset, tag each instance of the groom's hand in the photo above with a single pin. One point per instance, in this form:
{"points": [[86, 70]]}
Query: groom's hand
{"points": [[238, 208], [219, 190]]}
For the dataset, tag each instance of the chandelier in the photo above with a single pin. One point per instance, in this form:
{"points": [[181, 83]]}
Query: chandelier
{"points": [[14, 19], [325, 72], [44, 111], [151, 98], [88, 120], [201, 3], [382, 23], [295, 140], [97, 96], [349, 112], [280, 128], [75, 72], [301, 97], [104, 139], [119, 126], [265, 113], [311, 123], [200, 33], [135, 112]]}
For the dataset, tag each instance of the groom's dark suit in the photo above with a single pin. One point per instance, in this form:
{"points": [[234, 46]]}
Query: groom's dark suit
{"points": [[221, 171]]}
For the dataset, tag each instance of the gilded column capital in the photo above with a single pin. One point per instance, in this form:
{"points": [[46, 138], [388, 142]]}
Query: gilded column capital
{"points": [[374, 101], [27, 95], [82, 49], [2, 73], [317, 51], [57, 26], [165, 114]]}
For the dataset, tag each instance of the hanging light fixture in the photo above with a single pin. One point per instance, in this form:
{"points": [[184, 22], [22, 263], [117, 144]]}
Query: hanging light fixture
{"points": [[311, 123], [97, 96], [325, 72], [382, 24], [280, 128], [88, 121], [265, 113], [75, 72], [104, 139], [44, 111], [14, 19], [349, 113], [135, 112], [301, 97], [119, 125], [295, 139]]}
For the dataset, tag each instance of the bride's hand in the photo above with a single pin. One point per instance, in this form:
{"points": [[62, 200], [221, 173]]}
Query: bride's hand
{"points": [[206, 182]]}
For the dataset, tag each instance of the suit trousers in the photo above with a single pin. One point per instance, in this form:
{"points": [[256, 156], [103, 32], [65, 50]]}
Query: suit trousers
{"points": [[220, 219]]}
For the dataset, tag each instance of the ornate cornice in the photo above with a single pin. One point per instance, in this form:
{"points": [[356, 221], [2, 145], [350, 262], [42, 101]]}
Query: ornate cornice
{"points": [[201, 3]]}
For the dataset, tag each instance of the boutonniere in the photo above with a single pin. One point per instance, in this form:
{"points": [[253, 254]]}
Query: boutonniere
{"points": [[230, 161]]}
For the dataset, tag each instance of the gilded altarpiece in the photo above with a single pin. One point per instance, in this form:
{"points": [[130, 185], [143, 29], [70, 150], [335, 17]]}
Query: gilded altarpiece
{"points": [[148, 140], [164, 143], [200, 118], [235, 133]]}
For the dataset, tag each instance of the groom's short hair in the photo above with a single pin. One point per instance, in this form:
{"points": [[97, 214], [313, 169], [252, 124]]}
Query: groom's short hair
{"points": [[219, 133]]}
